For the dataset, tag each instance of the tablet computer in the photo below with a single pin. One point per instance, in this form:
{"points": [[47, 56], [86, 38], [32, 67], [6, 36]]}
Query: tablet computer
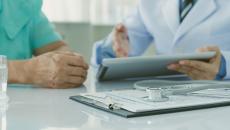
{"points": [[139, 67]]}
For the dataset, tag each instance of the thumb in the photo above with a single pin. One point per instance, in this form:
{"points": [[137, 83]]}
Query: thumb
{"points": [[121, 28]]}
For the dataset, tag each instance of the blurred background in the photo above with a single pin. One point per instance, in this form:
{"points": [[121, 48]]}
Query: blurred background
{"points": [[82, 22]]}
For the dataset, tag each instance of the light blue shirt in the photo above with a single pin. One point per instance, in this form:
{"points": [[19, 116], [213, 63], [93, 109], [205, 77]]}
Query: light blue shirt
{"points": [[24, 28], [158, 22]]}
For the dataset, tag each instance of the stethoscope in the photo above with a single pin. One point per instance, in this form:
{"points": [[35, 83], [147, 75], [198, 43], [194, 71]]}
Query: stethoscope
{"points": [[160, 90], [156, 95]]}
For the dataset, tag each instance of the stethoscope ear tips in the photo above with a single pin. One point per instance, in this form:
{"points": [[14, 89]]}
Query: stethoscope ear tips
{"points": [[156, 95]]}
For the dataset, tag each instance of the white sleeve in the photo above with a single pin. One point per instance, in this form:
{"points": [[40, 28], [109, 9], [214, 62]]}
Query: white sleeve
{"points": [[139, 37]]}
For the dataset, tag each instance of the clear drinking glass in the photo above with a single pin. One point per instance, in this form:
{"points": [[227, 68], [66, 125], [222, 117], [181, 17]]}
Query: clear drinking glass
{"points": [[4, 99], [3, 74]]}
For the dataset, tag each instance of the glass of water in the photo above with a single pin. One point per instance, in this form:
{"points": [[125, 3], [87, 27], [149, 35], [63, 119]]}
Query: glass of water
{"points": [[3, 74]]}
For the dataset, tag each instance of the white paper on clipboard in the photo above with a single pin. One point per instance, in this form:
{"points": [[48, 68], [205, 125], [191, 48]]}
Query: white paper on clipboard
{"points": [[132, 100]]}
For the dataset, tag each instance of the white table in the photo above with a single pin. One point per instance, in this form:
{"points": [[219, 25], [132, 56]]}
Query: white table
{"points": [[32, 108]]}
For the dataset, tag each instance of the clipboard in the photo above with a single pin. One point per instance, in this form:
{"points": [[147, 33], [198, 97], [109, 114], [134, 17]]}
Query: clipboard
{"points": [[139, 67], [128, 114]]}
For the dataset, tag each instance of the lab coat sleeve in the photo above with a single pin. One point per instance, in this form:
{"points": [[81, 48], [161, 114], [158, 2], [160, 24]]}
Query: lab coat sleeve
{"points": [[226, 55], [139, 38]]}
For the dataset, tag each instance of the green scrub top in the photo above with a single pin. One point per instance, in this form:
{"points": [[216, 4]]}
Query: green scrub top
{"points": [[24, 28]]}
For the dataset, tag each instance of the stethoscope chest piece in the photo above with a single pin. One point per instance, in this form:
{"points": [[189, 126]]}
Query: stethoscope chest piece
{"points": [[156, 95]]}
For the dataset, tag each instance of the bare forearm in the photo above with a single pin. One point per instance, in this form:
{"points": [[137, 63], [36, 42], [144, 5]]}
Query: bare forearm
{"points": [[52, 47], [63, 48]]}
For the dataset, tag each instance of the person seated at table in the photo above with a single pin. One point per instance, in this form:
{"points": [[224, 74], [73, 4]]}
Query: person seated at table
{"points": [[36, 53], [174, 26]]}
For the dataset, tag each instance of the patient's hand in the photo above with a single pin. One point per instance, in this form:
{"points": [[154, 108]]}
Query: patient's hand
{"points": [[57, 70], [198, 70], [120, 41]]}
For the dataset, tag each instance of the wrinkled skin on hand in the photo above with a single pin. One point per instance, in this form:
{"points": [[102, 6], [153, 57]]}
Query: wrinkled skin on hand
{"points": [[58, 70]]}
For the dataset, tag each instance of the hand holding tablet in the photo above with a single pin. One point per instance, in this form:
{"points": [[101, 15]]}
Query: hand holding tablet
{"points": [[136, 67], [215, 68]]}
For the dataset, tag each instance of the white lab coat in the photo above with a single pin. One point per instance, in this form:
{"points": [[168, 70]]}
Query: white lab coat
{"points": [[157, 21]]}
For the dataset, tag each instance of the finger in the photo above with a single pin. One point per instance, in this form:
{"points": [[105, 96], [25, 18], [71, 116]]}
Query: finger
{"points": [[120, 39], [212, 48], [65, 53], [120, 52], [178, 68], [217, 58], [199, 65], [76, 71], [75, 61], [209, 70], [191, 72], [120, 28], [58, 85], [209, 48], [75, 80], [123, 31], [63, 86]]}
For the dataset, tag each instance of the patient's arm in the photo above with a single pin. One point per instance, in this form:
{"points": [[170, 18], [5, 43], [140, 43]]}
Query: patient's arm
{"points": [[55, 46], [54, 66]]}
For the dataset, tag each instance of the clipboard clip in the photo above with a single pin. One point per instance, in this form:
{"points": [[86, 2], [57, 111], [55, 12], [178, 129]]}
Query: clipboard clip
{"points": [[108, 102], [112, 105]]}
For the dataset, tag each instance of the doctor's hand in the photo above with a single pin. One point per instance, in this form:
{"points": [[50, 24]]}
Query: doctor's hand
{"points": [[120, 41], [198, 70], [57, 70]]}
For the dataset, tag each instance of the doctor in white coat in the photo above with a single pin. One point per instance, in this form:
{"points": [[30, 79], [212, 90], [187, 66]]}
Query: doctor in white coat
{"points": [[174, 26]]}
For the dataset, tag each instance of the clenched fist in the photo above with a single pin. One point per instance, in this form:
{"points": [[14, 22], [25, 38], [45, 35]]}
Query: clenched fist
{"points": [[57, 70]]}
